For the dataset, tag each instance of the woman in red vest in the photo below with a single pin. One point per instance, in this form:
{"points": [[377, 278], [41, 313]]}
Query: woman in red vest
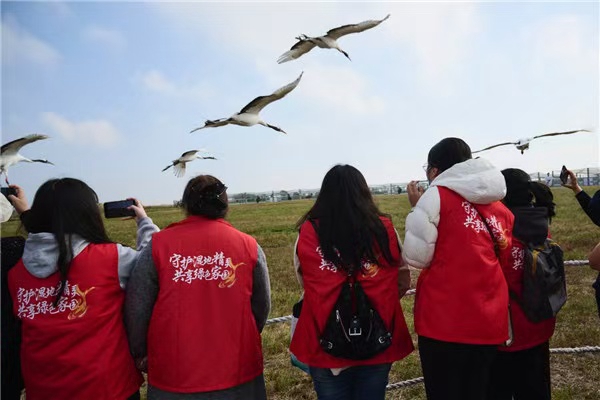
{"points": [[521, 371], [196, 304], [461, 304], [344, 233], [68, 292]]}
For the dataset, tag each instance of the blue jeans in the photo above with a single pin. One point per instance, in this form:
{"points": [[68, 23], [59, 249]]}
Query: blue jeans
{"points": [[366, 382]]}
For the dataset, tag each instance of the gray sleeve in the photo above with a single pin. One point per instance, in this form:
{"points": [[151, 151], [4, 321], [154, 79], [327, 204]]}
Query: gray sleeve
{"points": [[261, 291], [140, 297], [128, 256]]}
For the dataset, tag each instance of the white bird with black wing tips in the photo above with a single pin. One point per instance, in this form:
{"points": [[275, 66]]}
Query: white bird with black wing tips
{"points": [[328, 41], [9, 153], [248, 116], [523, 144], [179, 164]]}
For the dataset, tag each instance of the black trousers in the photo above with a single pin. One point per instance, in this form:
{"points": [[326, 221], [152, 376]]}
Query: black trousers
{"points": [[521, 375], [455, 371]]}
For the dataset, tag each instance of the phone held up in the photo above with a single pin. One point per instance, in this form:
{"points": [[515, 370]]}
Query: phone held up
{"points": [[116, 209], [6, 191], [564, 175]]}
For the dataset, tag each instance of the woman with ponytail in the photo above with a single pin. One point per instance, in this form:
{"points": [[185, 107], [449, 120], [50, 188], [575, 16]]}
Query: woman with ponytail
{"points": [[196, 303], [68, 292], [521, 371]]}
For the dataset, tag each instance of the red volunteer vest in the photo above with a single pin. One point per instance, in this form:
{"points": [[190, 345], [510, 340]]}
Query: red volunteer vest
{"points": [[202, 334], [79, 349], [322, 285], [462, 296], [526, 333]]}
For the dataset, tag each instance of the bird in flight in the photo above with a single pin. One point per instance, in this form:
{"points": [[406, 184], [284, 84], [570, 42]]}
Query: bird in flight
{"points": [[179, 164], [248, 116], [9, 153], [328, 41], [523, 144]]}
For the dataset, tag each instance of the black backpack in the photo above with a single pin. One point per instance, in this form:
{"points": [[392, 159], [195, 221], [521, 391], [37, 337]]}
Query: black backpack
{"points": [[354, 329], [544, 285]]}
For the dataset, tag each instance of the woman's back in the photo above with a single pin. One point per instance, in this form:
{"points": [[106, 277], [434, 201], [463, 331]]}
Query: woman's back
{"points": [[78, 347]]}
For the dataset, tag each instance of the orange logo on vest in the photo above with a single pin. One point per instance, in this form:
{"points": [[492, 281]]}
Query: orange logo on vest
{"points": [[81, 307]]}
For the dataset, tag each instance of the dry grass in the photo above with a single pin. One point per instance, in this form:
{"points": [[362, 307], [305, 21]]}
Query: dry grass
{"points": [[573, 376]]}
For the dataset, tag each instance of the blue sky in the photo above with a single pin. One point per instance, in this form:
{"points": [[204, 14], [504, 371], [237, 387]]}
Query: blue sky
{"points": [[118, 86]]}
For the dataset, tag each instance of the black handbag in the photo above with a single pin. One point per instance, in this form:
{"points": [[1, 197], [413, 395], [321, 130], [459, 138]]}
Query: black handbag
{"points": [[354, 329]]}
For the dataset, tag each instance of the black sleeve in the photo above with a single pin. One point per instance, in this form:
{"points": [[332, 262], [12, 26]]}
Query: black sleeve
{"points": [[591, 205]]}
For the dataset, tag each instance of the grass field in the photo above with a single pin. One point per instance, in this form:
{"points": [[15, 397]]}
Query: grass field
{"points": [[272, 224]]}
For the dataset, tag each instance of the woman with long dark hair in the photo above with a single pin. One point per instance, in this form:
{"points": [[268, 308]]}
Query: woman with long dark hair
{"points": [[458, 233], [197, 302], [344, 234], [68, 292], [521, 371]]}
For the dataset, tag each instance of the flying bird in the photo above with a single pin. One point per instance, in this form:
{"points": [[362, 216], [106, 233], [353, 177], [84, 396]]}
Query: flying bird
{"points": [[179, 164], [9, 153], [328, 41], [248, 116], [523, 144]]}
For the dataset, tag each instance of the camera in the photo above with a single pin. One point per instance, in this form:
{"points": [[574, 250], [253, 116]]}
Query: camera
{"points": [[564, 175], [6, 191], [116, 209]]}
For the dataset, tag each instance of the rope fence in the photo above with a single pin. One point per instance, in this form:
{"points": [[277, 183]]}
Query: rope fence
{"points": [[416, 381]]}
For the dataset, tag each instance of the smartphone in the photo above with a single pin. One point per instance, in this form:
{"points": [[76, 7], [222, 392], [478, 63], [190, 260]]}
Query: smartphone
{"points": [[564, 175], [116, 209], [6, 191]]}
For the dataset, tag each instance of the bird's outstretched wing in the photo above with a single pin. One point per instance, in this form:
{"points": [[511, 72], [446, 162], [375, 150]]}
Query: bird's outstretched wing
{"points": [[189, 153], [14, 146], [340, 31], [491, 147], [168, 166], [260, 102], [212, 124], [179, 169], [300, 48], [560, 133]]}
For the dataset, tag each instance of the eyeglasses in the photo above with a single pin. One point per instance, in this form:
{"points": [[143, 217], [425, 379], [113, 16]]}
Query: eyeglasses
{"points": [[425, 167]]}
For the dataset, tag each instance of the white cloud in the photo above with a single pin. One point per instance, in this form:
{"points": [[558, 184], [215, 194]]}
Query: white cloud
{"points": [[564, 40], [18, 45], [111, 38], [59, 8], [155, 81], [93, 132], [332, 87], [441, 35]]}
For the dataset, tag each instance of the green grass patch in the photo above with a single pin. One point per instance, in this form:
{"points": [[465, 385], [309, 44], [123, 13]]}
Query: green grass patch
{"points": [[273, 225]]}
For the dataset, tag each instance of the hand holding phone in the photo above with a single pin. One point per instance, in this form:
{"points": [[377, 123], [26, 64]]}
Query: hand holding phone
{"points": [[6, 191], [116, 209], [564, 175]]}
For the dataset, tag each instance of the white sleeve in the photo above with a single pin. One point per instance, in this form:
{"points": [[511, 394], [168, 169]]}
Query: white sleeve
{"points": [[421, 230], [297, 263], [128, 256]]}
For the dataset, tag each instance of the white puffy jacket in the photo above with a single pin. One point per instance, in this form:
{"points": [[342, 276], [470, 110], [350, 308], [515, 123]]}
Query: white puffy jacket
{"points": [[477, 180]]}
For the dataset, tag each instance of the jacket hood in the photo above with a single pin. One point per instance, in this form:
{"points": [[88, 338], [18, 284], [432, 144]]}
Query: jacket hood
{"points": [[40, 255], [477, 180], [531, 224]]}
